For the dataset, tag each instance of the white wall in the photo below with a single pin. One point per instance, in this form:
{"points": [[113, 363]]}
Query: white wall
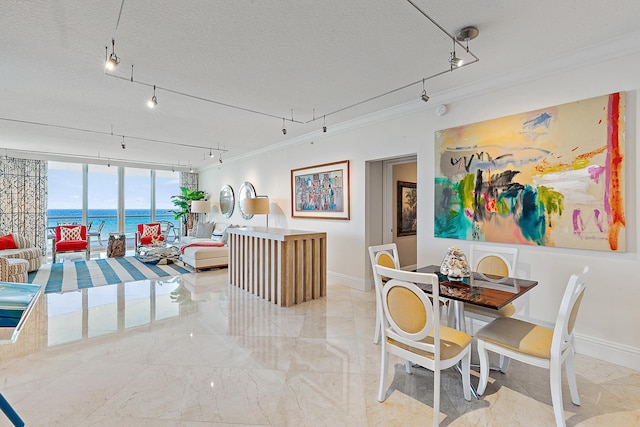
{"points": [[607, 327]]}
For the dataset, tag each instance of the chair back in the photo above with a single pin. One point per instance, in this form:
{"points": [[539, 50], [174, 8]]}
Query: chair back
{"points": [[409, 314], [494, 260], [101, 226], [565, 323], [83, 231], [151, 224], [384, 255]]}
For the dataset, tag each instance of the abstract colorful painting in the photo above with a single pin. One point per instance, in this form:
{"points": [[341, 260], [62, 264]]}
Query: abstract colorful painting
{"points": [[551, 177]]}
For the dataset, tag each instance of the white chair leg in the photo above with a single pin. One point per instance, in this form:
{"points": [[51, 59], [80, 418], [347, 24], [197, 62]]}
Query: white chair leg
{"points": [[470, 325], [407, 367], [484, 367], [436, 398], [466, 375], [504, 363], [555, 372], [571, 377], [376, 336], [384, 363]]}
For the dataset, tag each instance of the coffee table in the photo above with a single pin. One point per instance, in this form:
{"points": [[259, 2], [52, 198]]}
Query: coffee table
{"points": [[158, 254]]}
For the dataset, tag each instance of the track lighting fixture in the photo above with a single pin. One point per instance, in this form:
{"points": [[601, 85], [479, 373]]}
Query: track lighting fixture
{"points": [[453, 59], [153, 101], [284, 129], [112, 60], [108, 163], [424, 95], [220, 159], [324, 124], [122, 143], [210, 153]]}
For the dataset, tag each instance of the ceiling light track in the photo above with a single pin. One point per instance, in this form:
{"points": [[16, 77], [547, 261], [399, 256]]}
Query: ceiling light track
{"points": [[465, 34], [111, 133], [99, 159], [201, 98], [455, 63]]}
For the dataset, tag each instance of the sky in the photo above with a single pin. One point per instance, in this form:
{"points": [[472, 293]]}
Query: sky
{"points": [[65, 190]]}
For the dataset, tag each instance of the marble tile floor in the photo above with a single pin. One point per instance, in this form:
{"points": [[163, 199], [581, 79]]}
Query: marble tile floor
{"points": [[198, 352]]}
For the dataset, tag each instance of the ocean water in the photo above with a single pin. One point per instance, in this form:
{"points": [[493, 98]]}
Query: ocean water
{"points": [[133, 217]]}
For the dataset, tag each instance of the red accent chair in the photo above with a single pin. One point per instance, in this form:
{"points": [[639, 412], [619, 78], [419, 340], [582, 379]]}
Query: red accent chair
{"points": [[142, 240], [64, 246]]}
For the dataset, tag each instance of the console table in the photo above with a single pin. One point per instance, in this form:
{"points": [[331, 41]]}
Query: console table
{"points": [[283, 266]]}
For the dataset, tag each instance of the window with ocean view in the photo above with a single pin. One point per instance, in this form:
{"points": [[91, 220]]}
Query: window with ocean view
{"points": [[66, 192]]}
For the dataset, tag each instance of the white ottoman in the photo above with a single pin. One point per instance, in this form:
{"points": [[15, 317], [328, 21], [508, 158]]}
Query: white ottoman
{"points": [[205, 256]]}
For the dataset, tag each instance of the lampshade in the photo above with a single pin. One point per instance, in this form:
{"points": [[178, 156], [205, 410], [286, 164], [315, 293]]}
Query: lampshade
{"points": [[256, 205], [200, 206]]}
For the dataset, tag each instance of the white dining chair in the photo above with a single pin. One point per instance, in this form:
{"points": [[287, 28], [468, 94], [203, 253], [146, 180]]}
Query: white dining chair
{"points": [[387, 256], [537, 345], [495, 260], [411, 330]]}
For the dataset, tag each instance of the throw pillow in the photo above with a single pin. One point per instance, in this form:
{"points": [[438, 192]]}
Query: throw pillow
{"points": [[205, 229], [150, 230], [70, 233], [7, 242], [225, 234]]}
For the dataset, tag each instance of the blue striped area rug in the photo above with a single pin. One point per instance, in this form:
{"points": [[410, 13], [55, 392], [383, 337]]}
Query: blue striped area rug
{"points": [[68, 276]]}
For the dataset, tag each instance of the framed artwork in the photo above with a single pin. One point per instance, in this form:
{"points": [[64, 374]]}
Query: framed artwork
{"points": [[321, 191], [550, 177], [407, 208]]}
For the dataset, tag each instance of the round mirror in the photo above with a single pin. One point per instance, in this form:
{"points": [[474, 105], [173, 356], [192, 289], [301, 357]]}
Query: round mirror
{"points": [[227, 201], [246, 190]]}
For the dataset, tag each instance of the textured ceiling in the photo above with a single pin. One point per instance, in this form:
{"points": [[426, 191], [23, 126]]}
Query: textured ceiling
{"points": [[268, 56]]}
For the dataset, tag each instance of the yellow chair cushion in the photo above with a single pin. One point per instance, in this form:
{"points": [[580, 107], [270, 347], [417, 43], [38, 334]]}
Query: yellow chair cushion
{"points": [[518, 335], [506, 311], [452, 342]]}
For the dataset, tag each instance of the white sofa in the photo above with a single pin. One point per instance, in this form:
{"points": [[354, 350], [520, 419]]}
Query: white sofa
{"points": [[205, 256]]}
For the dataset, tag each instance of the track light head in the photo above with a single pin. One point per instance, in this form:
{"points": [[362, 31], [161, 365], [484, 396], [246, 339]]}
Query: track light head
{"points": [[122, 144], [220, 159], [454, 60], [424, 96], [153, 101], [324, 124], [112, 61], [210, 153], [284, 129], [324, 128]]}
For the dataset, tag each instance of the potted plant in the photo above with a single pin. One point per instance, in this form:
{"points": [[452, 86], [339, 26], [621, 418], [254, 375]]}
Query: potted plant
{"points": [[183, 203]]}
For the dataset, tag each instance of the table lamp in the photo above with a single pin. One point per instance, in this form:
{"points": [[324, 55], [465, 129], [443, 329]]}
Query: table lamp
{"points": [[257, 206], [200, 207]]}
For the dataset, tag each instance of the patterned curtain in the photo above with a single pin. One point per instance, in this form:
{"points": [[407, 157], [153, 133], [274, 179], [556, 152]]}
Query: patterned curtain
{"points": [[23, 199], [189, 180]]}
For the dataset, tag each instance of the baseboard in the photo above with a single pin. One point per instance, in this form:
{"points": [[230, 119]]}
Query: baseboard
{"points": [[349, 281], [609, 351]]}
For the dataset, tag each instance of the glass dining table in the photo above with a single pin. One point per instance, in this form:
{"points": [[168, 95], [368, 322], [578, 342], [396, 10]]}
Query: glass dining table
{"points": [[480, 289], [485, 290]]}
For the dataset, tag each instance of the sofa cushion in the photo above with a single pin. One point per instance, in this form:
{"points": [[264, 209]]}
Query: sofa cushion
{"points": [[71, 245], [7, 242]]}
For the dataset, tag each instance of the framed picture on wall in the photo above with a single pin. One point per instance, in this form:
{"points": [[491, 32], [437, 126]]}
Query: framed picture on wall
{"points": [[407, 209], [321, 191]]}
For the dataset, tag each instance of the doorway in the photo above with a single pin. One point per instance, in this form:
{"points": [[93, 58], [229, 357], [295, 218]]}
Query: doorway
{"points": [[382, 206]]}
